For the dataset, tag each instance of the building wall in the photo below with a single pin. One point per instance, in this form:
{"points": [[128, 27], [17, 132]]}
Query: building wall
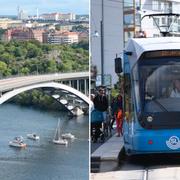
{"points": [[23, 34], [113, 34], [83, 36], [154, 6], [60, 38]]}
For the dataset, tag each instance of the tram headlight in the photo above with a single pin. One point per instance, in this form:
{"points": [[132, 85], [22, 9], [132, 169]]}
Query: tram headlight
{"points": [[149, 119]]}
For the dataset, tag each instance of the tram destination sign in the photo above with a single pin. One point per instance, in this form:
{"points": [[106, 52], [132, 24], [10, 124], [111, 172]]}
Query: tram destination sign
{"points": [[163, 53]]}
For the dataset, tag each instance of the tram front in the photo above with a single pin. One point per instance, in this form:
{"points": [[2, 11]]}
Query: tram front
{"points": [[155, 127]]}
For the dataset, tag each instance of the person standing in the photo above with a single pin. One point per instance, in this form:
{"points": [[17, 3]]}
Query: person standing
{"points": [[119, 115], [101, 102]]}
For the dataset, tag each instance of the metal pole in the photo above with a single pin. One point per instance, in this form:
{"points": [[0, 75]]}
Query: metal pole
{"points": [[102, 44]]}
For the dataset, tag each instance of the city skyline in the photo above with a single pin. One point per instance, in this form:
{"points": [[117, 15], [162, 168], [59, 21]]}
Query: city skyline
{"points": [[44, 6]]}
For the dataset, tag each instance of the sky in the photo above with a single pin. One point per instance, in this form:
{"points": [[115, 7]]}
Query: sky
{"points": [[9, 7]]}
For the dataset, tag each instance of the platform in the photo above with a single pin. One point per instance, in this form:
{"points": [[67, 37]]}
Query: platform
{"points": [[110, 149]]}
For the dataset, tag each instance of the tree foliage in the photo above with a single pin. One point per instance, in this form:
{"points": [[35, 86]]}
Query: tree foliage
{"points": [[32, 57]]}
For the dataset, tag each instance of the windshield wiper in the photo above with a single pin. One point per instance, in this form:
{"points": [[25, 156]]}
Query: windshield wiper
{"points": [[160, 105], [152, 98]]}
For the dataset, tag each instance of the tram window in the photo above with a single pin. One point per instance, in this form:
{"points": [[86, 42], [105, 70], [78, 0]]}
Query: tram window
{"points": [[156, 87], [127, 97]]}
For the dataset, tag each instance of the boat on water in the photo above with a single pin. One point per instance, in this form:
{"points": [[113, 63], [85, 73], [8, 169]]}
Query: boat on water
{"points": [[17, 142], [68, 136], [57, 138], [33, 136]]}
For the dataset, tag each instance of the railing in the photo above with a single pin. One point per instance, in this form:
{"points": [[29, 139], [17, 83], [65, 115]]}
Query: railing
{"points": [[37, 73]]}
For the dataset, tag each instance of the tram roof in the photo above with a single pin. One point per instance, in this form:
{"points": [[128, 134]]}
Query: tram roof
{"points": [[139, 45]]}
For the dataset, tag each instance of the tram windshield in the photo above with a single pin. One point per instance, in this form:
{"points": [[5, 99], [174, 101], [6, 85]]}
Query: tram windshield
{"points": [[160, 84]]}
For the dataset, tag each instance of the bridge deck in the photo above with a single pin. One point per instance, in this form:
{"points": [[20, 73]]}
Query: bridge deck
{"points": [[16, 82]]}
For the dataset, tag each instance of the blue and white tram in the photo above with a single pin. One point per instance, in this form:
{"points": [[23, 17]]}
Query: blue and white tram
{"points": [[150, 67]]}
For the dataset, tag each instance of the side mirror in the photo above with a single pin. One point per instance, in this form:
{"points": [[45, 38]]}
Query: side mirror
{"points": [[118, 65]]}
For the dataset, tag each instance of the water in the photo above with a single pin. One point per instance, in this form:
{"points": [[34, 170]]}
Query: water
{"points": [[42, 160]]}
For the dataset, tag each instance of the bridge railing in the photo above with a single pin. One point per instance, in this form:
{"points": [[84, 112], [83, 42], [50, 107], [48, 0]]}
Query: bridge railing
{"points": [[38, 73]]}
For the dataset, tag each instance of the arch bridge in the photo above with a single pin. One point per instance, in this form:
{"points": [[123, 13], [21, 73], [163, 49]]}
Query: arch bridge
{"points": [[69, 89]]}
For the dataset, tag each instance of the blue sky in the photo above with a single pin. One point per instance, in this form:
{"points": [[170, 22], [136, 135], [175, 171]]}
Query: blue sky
{"points": [[9, 7]]}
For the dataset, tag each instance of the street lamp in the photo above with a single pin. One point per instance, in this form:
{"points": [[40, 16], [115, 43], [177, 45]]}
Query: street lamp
{"points": [[102, 44]]}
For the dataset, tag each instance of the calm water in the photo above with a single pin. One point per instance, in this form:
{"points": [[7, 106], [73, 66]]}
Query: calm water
{"points": [[42, 160]]}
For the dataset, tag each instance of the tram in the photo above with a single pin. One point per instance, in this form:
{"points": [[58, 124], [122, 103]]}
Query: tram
{"points": [[151, 101]]}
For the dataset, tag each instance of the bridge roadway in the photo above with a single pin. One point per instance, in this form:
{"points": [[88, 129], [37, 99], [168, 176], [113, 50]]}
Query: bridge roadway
{"points": [[16, 82]]}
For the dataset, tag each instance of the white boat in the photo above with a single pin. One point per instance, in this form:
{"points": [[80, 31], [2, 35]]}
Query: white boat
{"points": [[77, 111], [60, 141], [70, 107], [63, 101], [68, 136], [56, 96], [57, 138], [17, 142], [33, 136]]}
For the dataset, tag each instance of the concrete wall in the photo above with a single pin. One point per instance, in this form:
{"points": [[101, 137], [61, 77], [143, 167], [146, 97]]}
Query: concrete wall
{"points": [[113, 34]]}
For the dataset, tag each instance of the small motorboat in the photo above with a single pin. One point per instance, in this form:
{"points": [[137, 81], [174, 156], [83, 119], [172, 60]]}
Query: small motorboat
{"points": [[33, 136], [68, 136], [17, 142]]}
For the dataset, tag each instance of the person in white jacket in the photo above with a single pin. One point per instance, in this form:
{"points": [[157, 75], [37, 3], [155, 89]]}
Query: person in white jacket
{"points": [[175, 93]]}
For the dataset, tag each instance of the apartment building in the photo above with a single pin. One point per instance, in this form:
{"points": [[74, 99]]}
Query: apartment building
{"points": [[134, 10], [70, 37], [56, 37], [83, 36], [50, 17], [23, 34], [59, 16]]}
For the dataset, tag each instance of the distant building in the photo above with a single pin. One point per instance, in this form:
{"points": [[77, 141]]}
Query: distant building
{"points": [[50, 17], [83, 36], [82, 18], [56, 37], [23, 15], [58, 17], [23, 34], [6, 23], [65, 27], [52, 38], [67, 17], [70, 37]]}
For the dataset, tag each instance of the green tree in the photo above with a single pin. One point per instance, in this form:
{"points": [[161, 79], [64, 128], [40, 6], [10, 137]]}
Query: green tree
{"points": [[51, 66], [33, 51], [3, 68], [24, 70]]}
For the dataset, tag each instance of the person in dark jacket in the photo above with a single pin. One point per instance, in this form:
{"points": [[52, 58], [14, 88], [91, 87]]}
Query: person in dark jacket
{"points": [[101, 102]]}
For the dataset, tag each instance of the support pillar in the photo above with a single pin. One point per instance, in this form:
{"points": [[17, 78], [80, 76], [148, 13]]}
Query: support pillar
{"points": [[85, 87]]}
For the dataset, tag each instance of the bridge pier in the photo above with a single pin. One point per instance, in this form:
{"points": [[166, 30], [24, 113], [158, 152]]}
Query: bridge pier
{"points": [[70, 83], [77, 81]]}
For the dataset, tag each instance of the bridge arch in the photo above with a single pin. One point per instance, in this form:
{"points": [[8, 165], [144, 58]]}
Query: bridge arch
{"points": [[14, 92]]}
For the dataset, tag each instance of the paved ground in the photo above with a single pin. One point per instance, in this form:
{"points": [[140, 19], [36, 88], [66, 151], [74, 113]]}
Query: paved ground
{"points": [[110, 149], [95, 146]]}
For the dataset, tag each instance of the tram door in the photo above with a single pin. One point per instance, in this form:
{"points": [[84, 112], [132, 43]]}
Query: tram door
{"points": [[128, 119]]}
